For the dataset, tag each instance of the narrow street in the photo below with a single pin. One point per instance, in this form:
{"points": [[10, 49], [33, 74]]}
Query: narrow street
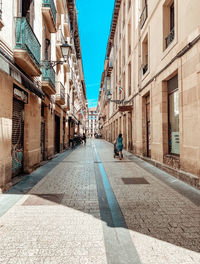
{"points": [[77, 209]]}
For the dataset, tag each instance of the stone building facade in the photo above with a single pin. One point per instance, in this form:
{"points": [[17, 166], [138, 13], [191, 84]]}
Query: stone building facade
{"points": [[92, 122], [42, 102], [152, 69]]}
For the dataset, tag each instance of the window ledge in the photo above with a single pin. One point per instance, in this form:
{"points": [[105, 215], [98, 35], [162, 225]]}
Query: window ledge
{"points": [[169, 48], [146, 73], [1, 24]]}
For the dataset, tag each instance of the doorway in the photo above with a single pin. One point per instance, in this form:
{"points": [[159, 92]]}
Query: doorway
{"points": [[148, 126], [57, 134], [17, 137]]}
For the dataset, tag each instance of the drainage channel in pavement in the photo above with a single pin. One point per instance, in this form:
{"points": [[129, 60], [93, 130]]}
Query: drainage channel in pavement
{"points": [[119, 246]]}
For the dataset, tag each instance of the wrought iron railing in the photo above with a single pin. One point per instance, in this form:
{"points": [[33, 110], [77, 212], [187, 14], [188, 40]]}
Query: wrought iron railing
{"points": [[145, 69], [60, 90], [143, 17], [50, 3], [26, 39], [169, 38], [48, 73]]}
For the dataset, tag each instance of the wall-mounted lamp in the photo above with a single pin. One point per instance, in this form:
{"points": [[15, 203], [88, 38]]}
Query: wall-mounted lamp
{"points": [[109, 96], [65, 50]]}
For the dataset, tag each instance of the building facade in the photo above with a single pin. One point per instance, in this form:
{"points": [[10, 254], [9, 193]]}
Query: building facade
{"points": [[151, 83], [42, 102], [92, 122]]}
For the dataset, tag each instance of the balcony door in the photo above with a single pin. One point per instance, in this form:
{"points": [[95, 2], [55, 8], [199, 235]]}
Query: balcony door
{"points": [[28, 10]]}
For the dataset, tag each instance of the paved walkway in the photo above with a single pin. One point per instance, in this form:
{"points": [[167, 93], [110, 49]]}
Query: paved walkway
{"points": [[85, 207]]}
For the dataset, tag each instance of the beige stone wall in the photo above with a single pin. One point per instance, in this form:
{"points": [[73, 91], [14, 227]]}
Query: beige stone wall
{"points": [[49, 131], [163, 64], [5, 130], [32, 133], [190, 111]]}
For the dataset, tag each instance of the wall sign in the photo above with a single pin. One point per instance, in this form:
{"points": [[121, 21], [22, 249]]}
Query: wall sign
{"points": [[20, 94]]}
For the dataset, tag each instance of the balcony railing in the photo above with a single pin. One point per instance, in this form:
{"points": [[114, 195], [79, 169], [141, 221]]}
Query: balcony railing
{"points": [[50, 3], [143, 17], [60, 92], [26, 39], [169, 38], [48, 73], [145, 69]]}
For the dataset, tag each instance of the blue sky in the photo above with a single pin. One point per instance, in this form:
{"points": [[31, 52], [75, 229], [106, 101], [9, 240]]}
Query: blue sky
{"points": [[94, 19]]}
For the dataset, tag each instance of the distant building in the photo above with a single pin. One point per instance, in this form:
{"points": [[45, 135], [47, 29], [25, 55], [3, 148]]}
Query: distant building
{"points": [[93, 122]]}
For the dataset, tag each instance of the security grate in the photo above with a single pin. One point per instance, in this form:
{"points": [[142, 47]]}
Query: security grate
{"points": [[135, 181]]}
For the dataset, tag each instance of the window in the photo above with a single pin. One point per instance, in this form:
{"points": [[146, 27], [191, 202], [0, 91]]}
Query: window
{"points": [[124, 53], [168, 23], [129, 38], [145, 56], [129, 4], [0, 9], [120, 55], [144, 13], [123, 90], [129, 79], [28, 11], [173, 115], [47, 49], [124, 13]]}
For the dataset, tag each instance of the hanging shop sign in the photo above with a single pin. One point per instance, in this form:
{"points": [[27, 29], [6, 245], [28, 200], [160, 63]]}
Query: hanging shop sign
{"points": [[20, 94], [125, 108]]}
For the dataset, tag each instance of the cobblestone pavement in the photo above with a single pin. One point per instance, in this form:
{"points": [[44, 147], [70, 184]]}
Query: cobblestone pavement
{"points": [[81, 211]]}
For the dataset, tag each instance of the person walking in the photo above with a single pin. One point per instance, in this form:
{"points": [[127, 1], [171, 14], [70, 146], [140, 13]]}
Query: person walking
{"points": [[84, 139], [119, 145]]}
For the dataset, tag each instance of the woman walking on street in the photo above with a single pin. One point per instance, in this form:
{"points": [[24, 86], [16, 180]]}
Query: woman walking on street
{"points": [[84, 139], [119, 145]]}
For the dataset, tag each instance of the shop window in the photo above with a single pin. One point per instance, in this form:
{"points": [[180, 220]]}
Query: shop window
{"points": [[173, 115], [145, 56], [129, 79], [144, 13], [28, 11], [168, 23]]}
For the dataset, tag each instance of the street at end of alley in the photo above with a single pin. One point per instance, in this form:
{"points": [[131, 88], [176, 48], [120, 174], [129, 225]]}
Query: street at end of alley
{"points": [[86, 207]]}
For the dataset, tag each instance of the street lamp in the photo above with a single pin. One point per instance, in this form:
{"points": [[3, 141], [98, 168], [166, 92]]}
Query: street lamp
{"points": [[65, 50], [109, 96]]}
